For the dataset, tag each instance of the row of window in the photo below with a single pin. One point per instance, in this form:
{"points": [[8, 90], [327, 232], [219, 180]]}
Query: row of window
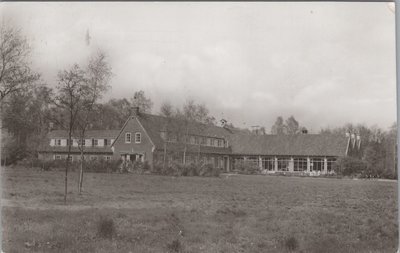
{"points": [[128, 137], [299, 164], [192, 139], [78, 157], [86, 142]]}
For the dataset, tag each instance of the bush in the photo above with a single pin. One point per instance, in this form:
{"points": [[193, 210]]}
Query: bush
{"points": [[291, 244], [175, 246], [105, 227], [350, 166], [247, 167], [208, 170]]}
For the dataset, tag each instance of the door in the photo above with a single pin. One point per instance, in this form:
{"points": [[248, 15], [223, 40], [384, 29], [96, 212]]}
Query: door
{"points": [[226, 164]]}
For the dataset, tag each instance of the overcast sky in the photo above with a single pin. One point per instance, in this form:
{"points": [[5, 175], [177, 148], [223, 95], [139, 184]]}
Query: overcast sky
{"points": [[324, 63]]}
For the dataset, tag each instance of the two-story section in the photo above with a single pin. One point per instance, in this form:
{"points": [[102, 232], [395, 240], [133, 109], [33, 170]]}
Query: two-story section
{"points": [[133, 143], [96, 145], [162, 140]]}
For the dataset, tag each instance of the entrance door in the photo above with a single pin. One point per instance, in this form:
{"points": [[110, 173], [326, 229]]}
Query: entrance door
{"points": [[226, 164]]}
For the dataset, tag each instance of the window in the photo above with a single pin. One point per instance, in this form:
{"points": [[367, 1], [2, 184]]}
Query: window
{"points": [[268, 164], [300, 164], [317, 164], [95, 142], [331, 164], [127, 137], [196, 140], [220, 143], [108, 158], [93, 158], [58, 142], [212, 142], [57, 157], [283, 164], [81, 142], [203, 140], [105, 142], [70, 158], [138, 137]]}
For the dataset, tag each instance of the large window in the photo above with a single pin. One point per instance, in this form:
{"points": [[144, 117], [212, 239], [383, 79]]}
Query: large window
{"points": [[268, 164], [331, 164], [128, 137], [253, 161], [138, 137], [212, 142], [317, 164], [300, 164], [283, 164]]}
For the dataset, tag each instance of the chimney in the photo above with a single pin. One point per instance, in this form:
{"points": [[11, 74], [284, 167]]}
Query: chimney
{"points": [[135, 110], [223, 122]]}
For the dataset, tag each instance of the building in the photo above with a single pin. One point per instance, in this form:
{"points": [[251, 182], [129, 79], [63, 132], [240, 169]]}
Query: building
{"points": [[97, 145], [157, 139]]}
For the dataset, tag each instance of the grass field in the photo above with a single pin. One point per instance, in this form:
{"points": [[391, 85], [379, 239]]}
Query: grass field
{"points": [[146, 213]]}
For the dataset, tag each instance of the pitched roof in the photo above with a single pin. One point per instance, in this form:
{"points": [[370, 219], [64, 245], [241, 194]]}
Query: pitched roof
{"points": [[154, 124], [89, 134], [295, 145], [93, 150]]}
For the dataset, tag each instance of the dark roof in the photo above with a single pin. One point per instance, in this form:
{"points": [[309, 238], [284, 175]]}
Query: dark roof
{"points": [[295, 145], [93, 150], [89, 134], [44, 146], [154, 124]]}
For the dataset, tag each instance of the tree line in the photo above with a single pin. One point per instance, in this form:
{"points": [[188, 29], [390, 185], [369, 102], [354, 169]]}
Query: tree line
{"points": [[30, 108]]}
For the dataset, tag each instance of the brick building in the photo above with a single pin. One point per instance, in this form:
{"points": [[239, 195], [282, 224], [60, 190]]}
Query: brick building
{"points": [[153, 138]]}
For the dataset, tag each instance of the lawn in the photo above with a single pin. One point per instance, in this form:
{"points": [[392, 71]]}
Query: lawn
{"points": [[147, 213]]}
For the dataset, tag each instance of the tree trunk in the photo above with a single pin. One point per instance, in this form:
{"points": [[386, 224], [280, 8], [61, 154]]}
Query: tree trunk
{"points": [[165, 154], [81, 172]]}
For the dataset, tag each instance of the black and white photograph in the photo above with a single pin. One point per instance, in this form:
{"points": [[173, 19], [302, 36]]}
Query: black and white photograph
{"points": [[208, 127]]}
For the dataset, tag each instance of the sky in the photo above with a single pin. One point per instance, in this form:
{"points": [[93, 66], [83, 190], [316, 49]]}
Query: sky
{"points": [[325, 63]]}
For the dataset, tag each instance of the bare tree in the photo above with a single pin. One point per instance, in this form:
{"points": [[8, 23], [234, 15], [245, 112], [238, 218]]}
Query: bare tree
{"points": [[292, 126], [140, 100], [97, 76], [15, 70], [68, 99], [166, 109], [279, 127]]}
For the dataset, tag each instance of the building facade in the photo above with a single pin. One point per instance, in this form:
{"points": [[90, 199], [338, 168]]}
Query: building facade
{"points": [[157, 139]]}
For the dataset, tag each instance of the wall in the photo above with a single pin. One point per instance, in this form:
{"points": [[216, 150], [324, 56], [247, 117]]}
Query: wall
{"points": [[145, 147]]}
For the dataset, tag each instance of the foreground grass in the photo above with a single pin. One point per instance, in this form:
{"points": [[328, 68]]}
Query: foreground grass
{"points": [[166, 214]]}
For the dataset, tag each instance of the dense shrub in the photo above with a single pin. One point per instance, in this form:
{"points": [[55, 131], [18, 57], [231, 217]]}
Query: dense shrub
{"points": [[191, 169], [136, 167], [106, 227], [247, 167], [89, 166], [351, 166]]}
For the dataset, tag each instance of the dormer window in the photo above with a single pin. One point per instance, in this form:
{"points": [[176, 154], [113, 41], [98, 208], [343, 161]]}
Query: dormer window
{"points": [[128, 137], [138, 137]]}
